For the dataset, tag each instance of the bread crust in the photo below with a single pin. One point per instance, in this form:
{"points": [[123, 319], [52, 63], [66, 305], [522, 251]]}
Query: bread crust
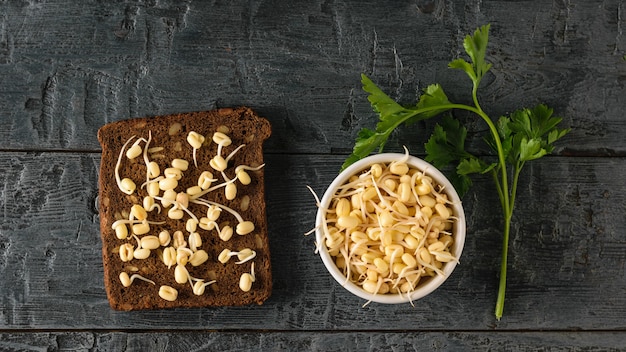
{"points": [[245, 127]]}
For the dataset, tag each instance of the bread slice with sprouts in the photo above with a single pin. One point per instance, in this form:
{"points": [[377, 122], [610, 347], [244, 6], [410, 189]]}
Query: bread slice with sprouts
{"points": [[182, 210]]}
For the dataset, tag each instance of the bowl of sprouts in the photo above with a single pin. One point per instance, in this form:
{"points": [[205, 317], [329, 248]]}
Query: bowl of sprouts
{"points": [[390, 228]]}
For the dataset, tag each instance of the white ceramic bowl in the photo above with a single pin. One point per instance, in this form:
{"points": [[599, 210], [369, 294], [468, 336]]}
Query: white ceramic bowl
{"points": [[458, 231]]}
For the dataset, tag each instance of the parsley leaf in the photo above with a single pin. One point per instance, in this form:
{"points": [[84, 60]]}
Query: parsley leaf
{"points": [[447, 146], [528, 134], [538, 123], [476, 47], [474, 165], [432, 102]]}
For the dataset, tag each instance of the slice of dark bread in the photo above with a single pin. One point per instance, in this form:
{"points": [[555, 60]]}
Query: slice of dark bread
{"points": [[170, 133]]}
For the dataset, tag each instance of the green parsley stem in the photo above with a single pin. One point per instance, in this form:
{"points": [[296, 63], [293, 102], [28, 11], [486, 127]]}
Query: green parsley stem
{"points": [[503, 191], [503, 266], [507, 206], [505, 242]]}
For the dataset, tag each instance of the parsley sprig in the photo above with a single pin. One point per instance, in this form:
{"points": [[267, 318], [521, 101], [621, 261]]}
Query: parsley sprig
{"points": [[522, 136]]}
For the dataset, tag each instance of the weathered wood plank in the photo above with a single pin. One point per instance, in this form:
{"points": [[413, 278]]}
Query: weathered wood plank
{"points": [[567, 262], [299, 64], [313, 341]]}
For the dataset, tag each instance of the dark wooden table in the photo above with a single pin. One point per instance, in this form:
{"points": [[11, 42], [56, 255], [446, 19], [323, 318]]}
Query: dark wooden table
{"points": [[68, 67]]}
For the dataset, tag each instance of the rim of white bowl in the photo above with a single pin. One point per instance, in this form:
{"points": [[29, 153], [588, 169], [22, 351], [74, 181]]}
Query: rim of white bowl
{"points": [[458, 235]]}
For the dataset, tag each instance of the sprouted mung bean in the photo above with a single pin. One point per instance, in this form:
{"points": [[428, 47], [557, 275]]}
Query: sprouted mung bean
{"points": [[128, 280], [168, 293], [246, 279]]}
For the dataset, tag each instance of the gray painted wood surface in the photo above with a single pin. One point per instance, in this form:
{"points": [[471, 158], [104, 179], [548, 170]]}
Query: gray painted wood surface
{"points": [[312, 341], [67, 68]]}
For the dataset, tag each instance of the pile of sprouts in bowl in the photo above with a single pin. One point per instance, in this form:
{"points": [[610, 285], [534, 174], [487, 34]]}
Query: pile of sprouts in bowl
{"points": [[390, 228]]}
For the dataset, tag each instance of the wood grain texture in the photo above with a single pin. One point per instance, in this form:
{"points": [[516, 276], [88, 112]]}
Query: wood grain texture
{"points": [[567, 261], [299, 65], [312, 341]]}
